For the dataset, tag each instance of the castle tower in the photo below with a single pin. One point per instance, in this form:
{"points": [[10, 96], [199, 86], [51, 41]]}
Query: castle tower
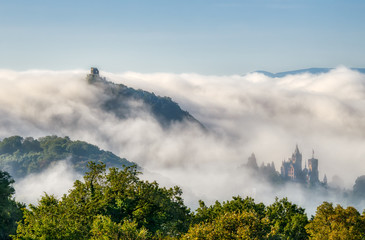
{"points": [[94, 75], [296, 160], [94, 71], [292, 169], [313, 170]]}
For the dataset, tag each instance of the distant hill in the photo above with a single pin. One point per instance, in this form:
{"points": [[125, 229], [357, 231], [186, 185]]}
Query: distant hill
{"points": [[21, 156], [119, 98], [307, 70]]}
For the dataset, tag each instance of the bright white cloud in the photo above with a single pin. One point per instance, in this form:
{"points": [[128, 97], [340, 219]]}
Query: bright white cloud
{"points": [[56, 180]]}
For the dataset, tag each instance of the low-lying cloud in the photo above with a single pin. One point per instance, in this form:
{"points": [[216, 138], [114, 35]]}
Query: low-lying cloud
{"points": [[244, 114], [56, 180]]}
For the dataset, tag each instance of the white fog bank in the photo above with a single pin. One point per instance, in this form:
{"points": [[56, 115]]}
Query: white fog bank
{"points": [[243, 114]]}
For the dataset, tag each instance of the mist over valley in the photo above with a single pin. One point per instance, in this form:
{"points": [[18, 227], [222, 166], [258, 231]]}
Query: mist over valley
{"points": [[224, 120]]}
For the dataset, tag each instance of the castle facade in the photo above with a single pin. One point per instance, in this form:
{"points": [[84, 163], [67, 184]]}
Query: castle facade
{"points": [[292, 169]]}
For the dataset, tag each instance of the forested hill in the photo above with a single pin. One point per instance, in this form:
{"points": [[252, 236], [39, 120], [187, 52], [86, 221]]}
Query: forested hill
{"points": [[21, 156], [120, 97]]}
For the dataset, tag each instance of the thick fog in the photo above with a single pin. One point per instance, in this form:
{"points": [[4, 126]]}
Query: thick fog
{"points": [[57, 180], [243, 114]]}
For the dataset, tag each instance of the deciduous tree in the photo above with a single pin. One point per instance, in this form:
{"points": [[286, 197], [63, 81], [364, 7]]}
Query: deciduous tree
{"points": [[336, 223], [107, 202], [10, 210]]}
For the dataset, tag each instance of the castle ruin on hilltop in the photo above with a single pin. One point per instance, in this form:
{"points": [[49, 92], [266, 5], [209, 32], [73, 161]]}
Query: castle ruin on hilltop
{"points": [[94, 71], [94, 76]]}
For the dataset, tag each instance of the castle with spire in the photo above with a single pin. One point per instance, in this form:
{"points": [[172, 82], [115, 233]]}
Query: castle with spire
{"points": [[292, 169]]}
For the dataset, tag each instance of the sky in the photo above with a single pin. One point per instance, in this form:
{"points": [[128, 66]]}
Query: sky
{"points": [[193, 36]]}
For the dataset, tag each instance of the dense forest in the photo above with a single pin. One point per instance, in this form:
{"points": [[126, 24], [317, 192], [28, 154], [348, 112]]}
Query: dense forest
{"points": [[21, 156], [117, 204]]}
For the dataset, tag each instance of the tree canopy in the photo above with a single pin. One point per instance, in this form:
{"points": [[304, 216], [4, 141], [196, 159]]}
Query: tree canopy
{"points": [[117, 204], [105, 203], [244, 219], [10, 210], [336, 223], [21, 156]]}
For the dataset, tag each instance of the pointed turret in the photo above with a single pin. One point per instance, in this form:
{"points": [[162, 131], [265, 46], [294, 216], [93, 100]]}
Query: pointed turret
{"points": [[252, 163], [325, 180], [296, 160], [296, 151]]}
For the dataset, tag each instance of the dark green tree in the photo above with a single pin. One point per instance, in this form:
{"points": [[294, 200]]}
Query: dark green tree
{"points": [[10, 145], [10, 210], [30, 144], [24, 156]]}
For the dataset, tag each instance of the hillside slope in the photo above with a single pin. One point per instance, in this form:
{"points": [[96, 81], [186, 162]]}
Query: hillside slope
{"points": [[21, 156], [121, 100]]}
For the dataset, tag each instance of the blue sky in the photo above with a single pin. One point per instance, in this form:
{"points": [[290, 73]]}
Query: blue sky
{"points": [[201, 36]]}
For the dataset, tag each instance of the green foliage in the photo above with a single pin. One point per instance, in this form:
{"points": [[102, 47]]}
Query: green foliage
{"points": [[336, 223], [10, 210], [118, 205], [281, 220], [231, 225], [115, 203], [236, 219], [10, 145], [287, 220], [22, 156], [208, 214], [104, 228]]}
